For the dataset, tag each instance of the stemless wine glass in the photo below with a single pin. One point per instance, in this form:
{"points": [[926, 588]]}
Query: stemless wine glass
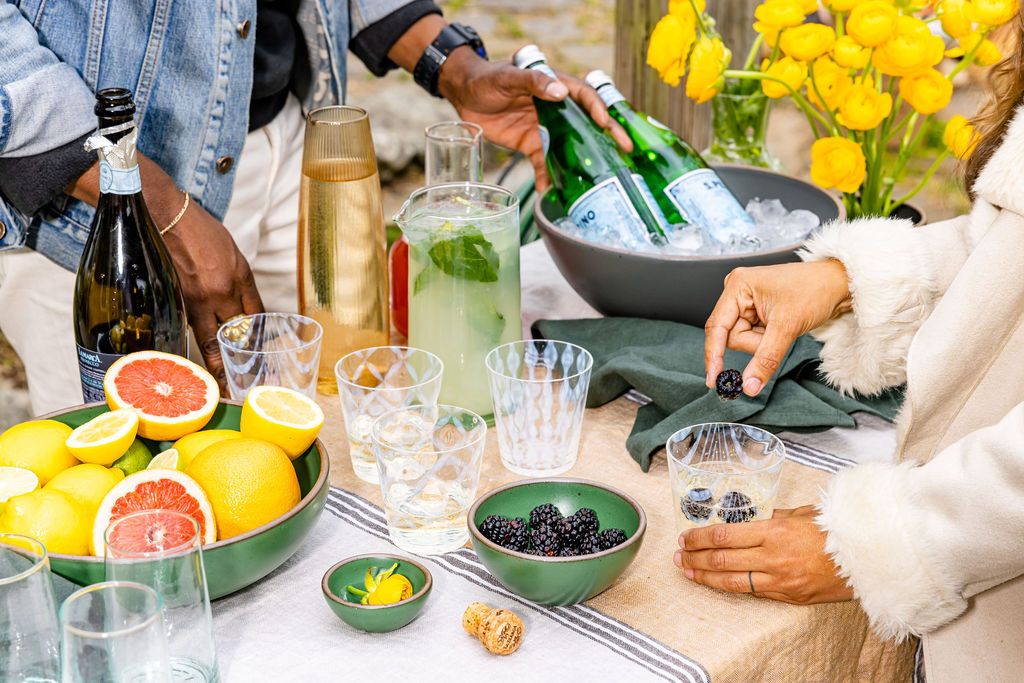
{"points": [[453, 153], [429, 459], [343, 269], [114, 633], [29, 635], [170, 561], [273, 349]]}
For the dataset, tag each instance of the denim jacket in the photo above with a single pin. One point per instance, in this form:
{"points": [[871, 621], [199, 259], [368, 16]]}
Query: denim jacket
{"points": [[189, 63]]}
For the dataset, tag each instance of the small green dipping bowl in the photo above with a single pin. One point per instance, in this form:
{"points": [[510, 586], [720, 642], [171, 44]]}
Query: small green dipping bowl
{"points": [[558, 580], [375, 618]]}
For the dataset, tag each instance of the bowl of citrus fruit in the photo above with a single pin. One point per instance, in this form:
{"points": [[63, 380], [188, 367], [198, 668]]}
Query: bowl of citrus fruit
{"points": [[252, 474]]}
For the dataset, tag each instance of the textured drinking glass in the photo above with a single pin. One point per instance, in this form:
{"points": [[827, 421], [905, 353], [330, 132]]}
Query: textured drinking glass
{"points": [[343, 268], [429, 459], [170, 562], [464, 291], [539, 391], [29, 634], [271, 349], [114, 633], [723, 472], [375, 381], [454, 153]]}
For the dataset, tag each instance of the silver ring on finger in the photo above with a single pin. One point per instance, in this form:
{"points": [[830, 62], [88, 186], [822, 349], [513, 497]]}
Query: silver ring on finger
{"points": [[750, 580]]}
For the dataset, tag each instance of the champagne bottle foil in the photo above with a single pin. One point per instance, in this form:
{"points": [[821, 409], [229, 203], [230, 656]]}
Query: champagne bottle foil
{"points": [[121, 155]]}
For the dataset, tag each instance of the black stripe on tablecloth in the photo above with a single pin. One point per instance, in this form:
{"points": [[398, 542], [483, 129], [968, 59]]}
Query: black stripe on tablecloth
{"points": [[586, 621]]}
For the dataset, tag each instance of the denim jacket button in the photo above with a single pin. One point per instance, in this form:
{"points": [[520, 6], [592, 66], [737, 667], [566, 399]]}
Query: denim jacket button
{"points": [[224, 164], [3, 230], [243, 29]]}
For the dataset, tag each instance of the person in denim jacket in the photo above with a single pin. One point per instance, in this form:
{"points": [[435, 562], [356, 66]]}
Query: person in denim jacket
{"points": [[219, 87]]}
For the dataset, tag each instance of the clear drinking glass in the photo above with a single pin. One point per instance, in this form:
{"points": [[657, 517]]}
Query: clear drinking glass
{"points": [[114, 633], [453, 153], [171, 563], [539, 391], [375, 381], [275, 349], [343, 268], [723, 472], [463, 281], [29, 634], [429, 459]]}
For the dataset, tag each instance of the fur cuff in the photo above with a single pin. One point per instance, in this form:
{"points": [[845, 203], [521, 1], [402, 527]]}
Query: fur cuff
{"points": [[893, 291], [876, 539]]}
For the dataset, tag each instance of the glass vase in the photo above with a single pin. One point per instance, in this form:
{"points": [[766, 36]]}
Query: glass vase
{"points": [[739, 127]]}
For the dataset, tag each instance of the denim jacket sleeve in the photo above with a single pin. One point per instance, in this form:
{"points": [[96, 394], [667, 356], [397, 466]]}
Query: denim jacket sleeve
{"points": [[363, 13]]}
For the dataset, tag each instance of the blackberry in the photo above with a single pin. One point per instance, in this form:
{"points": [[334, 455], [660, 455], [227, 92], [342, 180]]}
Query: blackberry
{"points": [[508, 533], [545, 540], [567, 551], [576, 527], [610, 538], [729, 384], [697, 505], [546, 514], [735, 507], [585, 519], [519, 535], [590, 545]]}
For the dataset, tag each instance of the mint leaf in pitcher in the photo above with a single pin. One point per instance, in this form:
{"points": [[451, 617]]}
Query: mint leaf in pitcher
{"points": [[467, 255]]}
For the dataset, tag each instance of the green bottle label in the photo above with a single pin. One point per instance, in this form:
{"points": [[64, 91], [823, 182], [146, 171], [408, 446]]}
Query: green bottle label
{"points": [[703, 199], [604, 214]]}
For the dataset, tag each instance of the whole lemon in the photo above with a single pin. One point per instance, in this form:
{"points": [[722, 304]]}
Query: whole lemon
{"points": [[38, 446], [52, 517], [190, 446], [249, 482], [86, 484]]}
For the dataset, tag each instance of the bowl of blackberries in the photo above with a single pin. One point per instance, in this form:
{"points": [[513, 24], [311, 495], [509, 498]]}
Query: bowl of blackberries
{"points": [[556, 541]]}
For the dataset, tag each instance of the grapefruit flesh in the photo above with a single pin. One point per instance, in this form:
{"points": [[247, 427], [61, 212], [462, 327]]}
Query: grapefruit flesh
{"points": [[171, 395], [156, 531]]}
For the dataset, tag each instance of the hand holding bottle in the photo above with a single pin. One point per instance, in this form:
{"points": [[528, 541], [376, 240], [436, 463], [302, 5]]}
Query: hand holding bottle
{"points": [[763, 310]]}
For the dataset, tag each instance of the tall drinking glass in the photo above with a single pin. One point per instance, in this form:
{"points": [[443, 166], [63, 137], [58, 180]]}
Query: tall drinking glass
{"points": [[171, 563], [272, 349], [114, 633], [454, 153], [343, 272], [29, 635], [375, 381], [463, 281], [429, 459]]}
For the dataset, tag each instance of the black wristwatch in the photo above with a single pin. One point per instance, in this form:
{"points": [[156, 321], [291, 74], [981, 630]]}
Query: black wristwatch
{"points": [[452, 36]]}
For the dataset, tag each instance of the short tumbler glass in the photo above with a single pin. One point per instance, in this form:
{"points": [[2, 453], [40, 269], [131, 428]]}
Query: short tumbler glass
{"points": [[429, 459], [271, 349], [29, 635], [539, 391], [375, 381], [723, 472]]}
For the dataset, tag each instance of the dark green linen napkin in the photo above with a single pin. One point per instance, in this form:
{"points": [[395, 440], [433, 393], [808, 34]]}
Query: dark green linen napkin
{"points": [[665, 361]]}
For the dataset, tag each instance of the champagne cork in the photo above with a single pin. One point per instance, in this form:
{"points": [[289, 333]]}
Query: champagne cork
{"points": [[499, 630]]}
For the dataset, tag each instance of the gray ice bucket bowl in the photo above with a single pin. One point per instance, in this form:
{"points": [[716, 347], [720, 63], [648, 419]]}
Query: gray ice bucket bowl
{"points": [[681, 288]]}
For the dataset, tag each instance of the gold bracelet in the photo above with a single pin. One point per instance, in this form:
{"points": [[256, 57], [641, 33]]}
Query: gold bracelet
{"points": [[180, 214]]}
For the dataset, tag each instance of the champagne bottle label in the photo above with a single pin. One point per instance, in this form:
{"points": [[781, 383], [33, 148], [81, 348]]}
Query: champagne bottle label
{"points": [[92, 366], [118, 180], [604, 214], [703, 199]]}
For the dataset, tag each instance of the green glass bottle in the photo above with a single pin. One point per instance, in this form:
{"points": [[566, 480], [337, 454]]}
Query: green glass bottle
{"points": [[606, 198], [687, 190]]}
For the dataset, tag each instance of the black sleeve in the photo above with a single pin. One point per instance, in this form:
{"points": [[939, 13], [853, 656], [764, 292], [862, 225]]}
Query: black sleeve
{"points": [[372, 44], [29, 183]]}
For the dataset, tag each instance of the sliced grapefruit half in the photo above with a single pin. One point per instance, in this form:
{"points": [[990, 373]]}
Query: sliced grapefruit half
{"points": [[171, 395], [156, 489]]}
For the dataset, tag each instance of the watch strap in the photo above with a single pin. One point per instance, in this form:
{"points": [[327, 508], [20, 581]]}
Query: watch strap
{"points": [[428, 69]]}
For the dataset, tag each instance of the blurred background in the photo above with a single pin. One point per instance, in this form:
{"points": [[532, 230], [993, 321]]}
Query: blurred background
{"points": [[577, 36]]}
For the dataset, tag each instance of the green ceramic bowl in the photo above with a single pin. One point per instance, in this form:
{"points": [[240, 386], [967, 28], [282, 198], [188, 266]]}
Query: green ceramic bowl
{"points": [[375, 618], [558, 580], [234, 563]]}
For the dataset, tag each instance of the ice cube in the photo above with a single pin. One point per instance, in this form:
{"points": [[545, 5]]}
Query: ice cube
{"points": [[566, 224], [685, 239], [766, 211]]}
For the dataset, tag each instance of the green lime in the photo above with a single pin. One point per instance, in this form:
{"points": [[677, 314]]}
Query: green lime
{"points": [[135, 459]]}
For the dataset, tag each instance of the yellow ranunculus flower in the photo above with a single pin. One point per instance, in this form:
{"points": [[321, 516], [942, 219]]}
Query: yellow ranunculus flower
{"points": [[808, 41], [809, 6], [994, 12], [842, 5], [871, 23], [769, 33], [987, 55], [955, 19], [911, 49], [780, 13], [830, 80], [839, 163], [861, 107], [707, 64], [960, 137], [849, 53], [683, 7], [670, 46], [787, 69], [927, 92]]}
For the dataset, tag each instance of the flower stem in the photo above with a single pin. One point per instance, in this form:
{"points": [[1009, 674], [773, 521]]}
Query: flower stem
{"points": [[797, 97], [920, 185], [752, 55]]}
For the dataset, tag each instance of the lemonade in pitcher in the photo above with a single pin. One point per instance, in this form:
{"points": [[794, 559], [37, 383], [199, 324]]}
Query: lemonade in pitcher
{"points": [[463, 281]]}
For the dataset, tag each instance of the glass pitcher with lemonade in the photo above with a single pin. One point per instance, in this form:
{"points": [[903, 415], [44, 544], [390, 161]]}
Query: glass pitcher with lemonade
{"points": [[463, 281]]}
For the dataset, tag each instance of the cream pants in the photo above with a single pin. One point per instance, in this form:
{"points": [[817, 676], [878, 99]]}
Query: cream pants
{"points": [[36, 294]]}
